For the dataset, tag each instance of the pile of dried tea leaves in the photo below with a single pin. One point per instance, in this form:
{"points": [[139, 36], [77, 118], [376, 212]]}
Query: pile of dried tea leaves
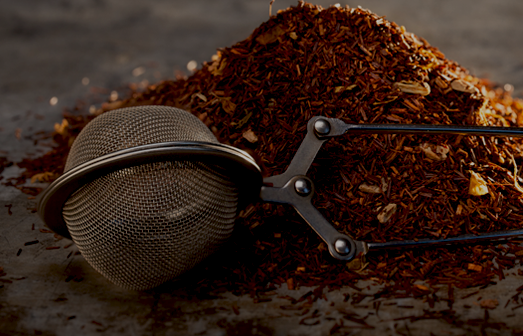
{"points": [[352, 64]]}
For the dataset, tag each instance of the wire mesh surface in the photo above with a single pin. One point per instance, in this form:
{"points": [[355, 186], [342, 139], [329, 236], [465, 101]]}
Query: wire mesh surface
{"points": [[143, 225]]}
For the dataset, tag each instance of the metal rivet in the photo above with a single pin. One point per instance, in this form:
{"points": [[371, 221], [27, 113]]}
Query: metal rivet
{"points": [[342, 246], [322, 127], [303, 187]]}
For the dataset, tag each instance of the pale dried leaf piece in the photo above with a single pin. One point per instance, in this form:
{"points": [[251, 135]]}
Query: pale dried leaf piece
{"points": [[216, 67], [216, 56], [439, 152], [481, 114], [250, 136], [500, 158], [441, 83], [387, 212], [357, 264], [442, 150], [384, 185], [42, 177], [61, 128], [370, 189], [201, 96], [478, 186], [463, 86], [270, 36], [516, 183], [228, 105], [293, 35], [243, 121], [420, 88], [489, 303]]}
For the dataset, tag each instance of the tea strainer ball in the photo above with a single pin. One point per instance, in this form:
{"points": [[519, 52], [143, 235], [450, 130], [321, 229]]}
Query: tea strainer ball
{"points": [[148, 193]]}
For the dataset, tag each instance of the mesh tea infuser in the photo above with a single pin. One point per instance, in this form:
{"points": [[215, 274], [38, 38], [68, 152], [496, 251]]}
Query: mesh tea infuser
{"points": [[148, 192]]}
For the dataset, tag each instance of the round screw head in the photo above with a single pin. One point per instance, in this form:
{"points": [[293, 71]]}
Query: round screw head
{"points": [[303, 187], [342, 246], [322, 127]]}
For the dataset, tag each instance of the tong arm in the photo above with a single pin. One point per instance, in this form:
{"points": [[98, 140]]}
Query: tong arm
{"points": [[294, 188], [319, 130], [298, 192]]}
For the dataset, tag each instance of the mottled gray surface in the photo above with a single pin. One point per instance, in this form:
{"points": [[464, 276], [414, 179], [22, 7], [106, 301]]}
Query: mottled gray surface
{"points": [[48, 47]]}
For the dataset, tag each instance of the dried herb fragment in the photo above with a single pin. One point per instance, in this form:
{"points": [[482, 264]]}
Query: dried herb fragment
{"points": [[478, 185], [489, 304], [387, 212], [413, 87]]}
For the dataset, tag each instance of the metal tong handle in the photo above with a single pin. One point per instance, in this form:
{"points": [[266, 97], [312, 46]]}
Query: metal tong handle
{"points": [[294, 188]]}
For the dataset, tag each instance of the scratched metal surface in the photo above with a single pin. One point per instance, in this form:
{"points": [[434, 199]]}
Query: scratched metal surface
{"points": [[47, 48]]}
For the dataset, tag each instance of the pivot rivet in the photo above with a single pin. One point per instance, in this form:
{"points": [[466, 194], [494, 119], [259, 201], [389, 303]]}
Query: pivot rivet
{"points": [[342, 246], [303, 187], [322, 127]]}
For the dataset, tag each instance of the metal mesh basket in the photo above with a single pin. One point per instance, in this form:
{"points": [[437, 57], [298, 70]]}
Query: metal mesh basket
{"points": [[143, 225]]}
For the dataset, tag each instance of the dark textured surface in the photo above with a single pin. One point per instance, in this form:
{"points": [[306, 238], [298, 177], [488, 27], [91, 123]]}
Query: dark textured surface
{"points": [[47, 48]]}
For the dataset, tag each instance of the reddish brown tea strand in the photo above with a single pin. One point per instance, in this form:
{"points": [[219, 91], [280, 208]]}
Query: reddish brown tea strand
{"points": [[354, 65]]}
